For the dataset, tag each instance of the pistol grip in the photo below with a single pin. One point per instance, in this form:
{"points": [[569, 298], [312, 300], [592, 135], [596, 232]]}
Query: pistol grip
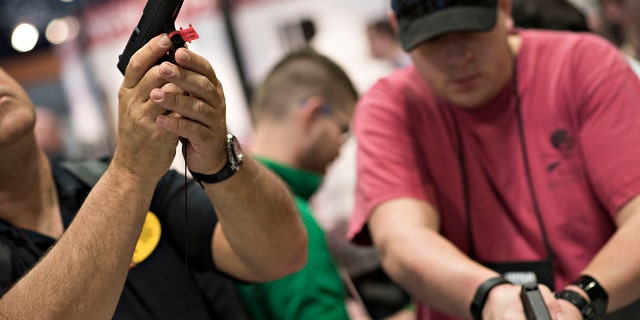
{"points": [[178, 43], [533, 303]]}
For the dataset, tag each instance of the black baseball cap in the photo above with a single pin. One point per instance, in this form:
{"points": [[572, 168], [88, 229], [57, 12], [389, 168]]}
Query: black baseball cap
{"points": [[421, 20]]}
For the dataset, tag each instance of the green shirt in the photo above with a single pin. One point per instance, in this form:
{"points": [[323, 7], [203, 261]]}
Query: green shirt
{"points": [[316, 291]]}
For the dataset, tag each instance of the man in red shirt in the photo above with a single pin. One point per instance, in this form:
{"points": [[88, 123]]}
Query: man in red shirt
{"points": [[504, 156]]}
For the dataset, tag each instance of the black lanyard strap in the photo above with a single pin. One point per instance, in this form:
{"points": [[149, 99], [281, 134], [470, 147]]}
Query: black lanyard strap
{"points": [[523, 147]]}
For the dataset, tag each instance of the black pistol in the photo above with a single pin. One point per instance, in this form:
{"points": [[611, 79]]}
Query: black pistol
{"points": [[158, 17], [534, 306]]}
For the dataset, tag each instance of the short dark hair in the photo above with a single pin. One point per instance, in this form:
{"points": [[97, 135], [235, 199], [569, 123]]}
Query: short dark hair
{"points": [[382, 26], [548, 14], [300, 75], [610, 29]]}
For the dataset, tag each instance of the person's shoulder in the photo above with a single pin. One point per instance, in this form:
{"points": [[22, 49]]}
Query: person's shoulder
{"points": [[402, 82], [401, 76], [574, 50], [76, 175], [558, 40]]}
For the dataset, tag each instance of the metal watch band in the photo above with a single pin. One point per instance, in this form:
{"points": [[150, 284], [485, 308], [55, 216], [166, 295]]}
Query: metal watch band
{"points": [[482, 293]]}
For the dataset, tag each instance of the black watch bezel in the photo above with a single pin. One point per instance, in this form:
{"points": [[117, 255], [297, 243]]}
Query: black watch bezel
{"points": [[234, 161], [598, 296], [575, 298], [586, 310]]}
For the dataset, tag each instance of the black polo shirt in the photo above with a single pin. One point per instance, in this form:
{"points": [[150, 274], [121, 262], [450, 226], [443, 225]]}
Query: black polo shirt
{"points": [[158, 287]]}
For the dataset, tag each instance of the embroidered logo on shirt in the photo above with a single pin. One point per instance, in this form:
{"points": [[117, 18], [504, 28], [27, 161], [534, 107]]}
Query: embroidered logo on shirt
{"points": [[561, 140], [562, 165], [148, 240]]}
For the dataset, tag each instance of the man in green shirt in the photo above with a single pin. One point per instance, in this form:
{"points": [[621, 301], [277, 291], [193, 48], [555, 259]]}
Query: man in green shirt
{"points": [[301, 114]]}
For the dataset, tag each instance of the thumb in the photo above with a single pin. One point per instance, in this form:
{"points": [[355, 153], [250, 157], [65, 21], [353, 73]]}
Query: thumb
{"points": [[559, 316]]}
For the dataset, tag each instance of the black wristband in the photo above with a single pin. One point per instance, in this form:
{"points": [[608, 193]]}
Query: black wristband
{"points": [[482, 293], [598, 296], [587, 310], [575, 298], [224, 173]]}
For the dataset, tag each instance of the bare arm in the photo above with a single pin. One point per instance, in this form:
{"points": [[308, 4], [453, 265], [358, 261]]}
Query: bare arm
{"points": [[260, 236], [615, 266], [82, 276], [431, 268], [419, 258]]}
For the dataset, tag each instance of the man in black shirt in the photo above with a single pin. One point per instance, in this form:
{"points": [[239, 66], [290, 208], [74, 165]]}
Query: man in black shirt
{"points": [[256, 236]]}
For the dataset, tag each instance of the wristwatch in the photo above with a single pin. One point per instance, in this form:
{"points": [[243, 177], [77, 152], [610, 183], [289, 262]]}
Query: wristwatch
{"points": [[234, 154], [481, 295], [586, 310], [598, 296]]}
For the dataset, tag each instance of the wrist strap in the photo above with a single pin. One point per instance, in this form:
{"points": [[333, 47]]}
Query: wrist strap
{"points": [[575, 298], [598, 296], [482, 293], [581, 303], [224, 173]]}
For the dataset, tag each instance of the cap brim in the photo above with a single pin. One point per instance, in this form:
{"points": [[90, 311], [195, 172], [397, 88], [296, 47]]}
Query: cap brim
{"points": [[414, 31]]}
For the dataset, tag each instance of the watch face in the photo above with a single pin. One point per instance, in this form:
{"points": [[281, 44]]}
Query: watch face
{"points": [[236, 151]]}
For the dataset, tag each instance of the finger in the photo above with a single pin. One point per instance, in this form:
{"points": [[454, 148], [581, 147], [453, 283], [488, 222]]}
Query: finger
{"points": [[144, 59], [559, 316], [188, 106], [197, 84], [194, 62], [171, 87], [149, 81], [191, 61], [185, 128], [553, 306]]}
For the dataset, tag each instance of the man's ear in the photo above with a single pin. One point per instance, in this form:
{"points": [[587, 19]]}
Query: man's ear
{"points": [[612, 11], [393, 20], [509, 24], [506, 6], [309, 111]]}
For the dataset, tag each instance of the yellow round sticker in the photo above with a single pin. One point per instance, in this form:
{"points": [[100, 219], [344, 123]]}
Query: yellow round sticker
{"points": [[149, 238]]}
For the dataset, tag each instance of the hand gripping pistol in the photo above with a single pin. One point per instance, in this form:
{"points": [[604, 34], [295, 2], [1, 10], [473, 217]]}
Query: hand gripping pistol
{"points": [[533, 303], [158, 17]]}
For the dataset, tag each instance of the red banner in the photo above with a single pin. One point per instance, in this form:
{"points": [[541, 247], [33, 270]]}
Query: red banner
{"points": [[117, 18]]}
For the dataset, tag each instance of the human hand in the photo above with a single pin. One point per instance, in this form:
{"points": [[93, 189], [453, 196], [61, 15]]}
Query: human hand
{"points": [[570, 310], [504, 302], [202, 123], [144, 149]]}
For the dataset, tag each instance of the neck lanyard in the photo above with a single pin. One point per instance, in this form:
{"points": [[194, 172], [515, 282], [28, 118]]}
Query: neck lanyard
{"points": [[523, 148]]}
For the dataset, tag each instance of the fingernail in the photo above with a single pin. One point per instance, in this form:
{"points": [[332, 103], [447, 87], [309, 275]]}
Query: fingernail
{"points": [[184, 56], [560, 316], [164, 41], [167, 69], [157, 94]]}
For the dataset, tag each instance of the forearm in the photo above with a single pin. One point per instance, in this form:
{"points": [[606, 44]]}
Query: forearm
{"points": [[82, 276], [430, 267], [262, 228], [615, 266], [433, 270]]}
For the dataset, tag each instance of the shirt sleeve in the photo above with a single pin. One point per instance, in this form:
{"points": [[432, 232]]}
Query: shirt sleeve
{"points": [[609, 122], [387, 155], [186, 224]]}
